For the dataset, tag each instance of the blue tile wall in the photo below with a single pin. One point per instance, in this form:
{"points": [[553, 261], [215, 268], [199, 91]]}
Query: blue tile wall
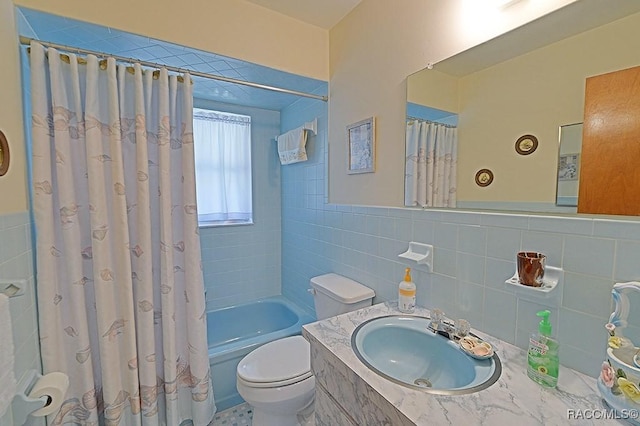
{"points": [[242, 263], [16, 261], [474, 253], [307, 244]]}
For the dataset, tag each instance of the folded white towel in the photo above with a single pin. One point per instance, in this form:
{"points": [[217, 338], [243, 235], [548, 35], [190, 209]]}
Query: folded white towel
{"points": [[292, 146], [7, 377]]}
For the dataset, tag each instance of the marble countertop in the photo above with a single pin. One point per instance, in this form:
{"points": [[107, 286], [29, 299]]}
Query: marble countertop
{"points": [[513, 399]]}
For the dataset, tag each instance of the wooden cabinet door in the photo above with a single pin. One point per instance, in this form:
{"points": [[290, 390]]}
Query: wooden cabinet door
{"points": [[610, 159]]}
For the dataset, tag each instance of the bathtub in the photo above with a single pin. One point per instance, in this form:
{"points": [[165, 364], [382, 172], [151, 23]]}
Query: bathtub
{"points": [[235, 331]]}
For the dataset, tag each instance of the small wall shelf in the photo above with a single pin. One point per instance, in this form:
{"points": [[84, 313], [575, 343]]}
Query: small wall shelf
{"points": [[420, 253], [552, 279]]}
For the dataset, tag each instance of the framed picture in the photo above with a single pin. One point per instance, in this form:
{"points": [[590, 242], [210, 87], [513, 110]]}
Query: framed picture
{"points": [[361, 147], [569, 167], [484, 177], [526, 144]]}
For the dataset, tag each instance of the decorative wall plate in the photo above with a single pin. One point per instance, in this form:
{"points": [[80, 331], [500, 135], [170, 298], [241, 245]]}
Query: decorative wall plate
{"points": [[526, 144], [4, 154], [484, 177]]}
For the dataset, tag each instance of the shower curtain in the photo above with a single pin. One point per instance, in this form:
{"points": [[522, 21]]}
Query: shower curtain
{"points": [[119, 278], [431, 164]]}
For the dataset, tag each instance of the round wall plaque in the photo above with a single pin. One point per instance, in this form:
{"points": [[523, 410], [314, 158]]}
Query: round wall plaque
{"points": [[526, 144], [4, 154], [484, 177]]}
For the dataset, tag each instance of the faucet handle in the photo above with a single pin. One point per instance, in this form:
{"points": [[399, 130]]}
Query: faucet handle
{"points": [[436, 318], [462, 328], [437, 314]]}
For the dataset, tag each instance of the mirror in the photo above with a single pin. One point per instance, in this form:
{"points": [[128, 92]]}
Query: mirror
{"points": [[569, 164], [527, 83]]}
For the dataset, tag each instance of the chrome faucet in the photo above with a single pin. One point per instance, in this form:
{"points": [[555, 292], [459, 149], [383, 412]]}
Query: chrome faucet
{"points": [[440, 325]]}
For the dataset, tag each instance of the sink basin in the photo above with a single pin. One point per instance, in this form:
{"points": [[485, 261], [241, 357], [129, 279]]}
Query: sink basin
{"points": [[402, 349]]}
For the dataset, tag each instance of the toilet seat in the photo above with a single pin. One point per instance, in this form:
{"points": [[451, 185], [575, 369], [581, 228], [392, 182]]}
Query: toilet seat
{"points": [[271, 385], [279, 363]]}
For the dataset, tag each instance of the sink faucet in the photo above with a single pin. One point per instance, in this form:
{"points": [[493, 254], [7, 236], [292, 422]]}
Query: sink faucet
{"points": [[440, 325]]}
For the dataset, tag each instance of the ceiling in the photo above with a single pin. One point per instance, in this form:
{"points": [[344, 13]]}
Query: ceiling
{"points": [[321, 13], [69, 32]]}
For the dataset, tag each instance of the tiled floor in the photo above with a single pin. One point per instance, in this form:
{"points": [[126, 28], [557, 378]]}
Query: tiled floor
{"points": [[240, 415]]}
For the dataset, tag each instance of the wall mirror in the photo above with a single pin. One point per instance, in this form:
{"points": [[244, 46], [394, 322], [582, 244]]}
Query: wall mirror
{"points": [[570, 137], [530, 81]]}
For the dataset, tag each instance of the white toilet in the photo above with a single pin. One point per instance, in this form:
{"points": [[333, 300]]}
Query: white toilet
{"points": [[275, 379]]}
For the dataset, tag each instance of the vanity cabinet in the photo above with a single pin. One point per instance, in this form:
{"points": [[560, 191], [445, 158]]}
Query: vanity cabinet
{"points": [[344, 398], [328, 412]]}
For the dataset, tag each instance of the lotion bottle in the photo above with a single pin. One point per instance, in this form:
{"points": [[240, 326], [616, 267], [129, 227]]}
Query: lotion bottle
{"points": [[542, 357], [407, 293]]}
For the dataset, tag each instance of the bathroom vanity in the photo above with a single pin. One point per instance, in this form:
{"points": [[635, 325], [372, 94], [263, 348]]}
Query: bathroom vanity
{"points": [[349, 393]]}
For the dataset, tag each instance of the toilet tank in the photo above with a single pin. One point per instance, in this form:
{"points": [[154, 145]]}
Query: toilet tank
{"points": [[334, 294]]}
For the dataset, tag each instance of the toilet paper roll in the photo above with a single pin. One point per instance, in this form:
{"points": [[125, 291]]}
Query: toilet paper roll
{"points": [[54, 386]]}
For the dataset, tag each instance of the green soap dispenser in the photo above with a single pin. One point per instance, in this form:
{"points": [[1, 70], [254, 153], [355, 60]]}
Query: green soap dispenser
{"points": [[542, 357]]}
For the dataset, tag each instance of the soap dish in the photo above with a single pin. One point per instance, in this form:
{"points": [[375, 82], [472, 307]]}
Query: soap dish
{"points": [[420, 253], [476, 347]]}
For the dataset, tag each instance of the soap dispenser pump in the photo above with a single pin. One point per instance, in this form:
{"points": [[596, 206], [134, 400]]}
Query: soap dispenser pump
{"points": [[407, 293], [543, 362]]}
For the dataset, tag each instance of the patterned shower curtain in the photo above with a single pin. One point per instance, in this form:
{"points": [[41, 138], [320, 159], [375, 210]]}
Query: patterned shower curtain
{"points": [[431, 164], [119, 278]]}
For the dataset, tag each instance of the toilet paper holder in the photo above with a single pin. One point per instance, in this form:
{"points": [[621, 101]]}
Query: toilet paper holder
{"points": [[22, 405]]}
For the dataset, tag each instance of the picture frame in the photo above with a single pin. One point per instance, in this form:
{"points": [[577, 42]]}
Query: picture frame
{"points": [[484, 177], [526, 144], [569, 167], [361, 147]]}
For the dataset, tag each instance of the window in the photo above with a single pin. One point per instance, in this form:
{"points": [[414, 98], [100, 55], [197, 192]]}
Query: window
{"points": [[222, 143]]}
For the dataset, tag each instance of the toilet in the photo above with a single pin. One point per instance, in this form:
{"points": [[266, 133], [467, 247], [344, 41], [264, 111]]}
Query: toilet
{"points": [[275, 379]]}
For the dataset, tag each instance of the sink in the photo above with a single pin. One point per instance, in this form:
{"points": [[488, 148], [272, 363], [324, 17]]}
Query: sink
{"points": [[403, 349]]}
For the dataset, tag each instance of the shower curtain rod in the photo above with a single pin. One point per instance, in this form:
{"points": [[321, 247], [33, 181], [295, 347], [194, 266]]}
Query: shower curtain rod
{"points": [[27, 41], [411, 118]]}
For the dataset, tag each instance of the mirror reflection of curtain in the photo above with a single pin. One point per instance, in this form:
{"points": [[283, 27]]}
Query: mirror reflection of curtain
{"points": [[431, 164], [120, 288]]}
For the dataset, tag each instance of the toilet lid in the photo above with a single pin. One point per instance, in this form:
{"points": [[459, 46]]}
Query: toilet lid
{"points": [[281, 362]]}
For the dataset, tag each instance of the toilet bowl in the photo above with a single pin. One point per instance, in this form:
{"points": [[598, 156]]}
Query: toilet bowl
{"points": [[276, 379]]}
